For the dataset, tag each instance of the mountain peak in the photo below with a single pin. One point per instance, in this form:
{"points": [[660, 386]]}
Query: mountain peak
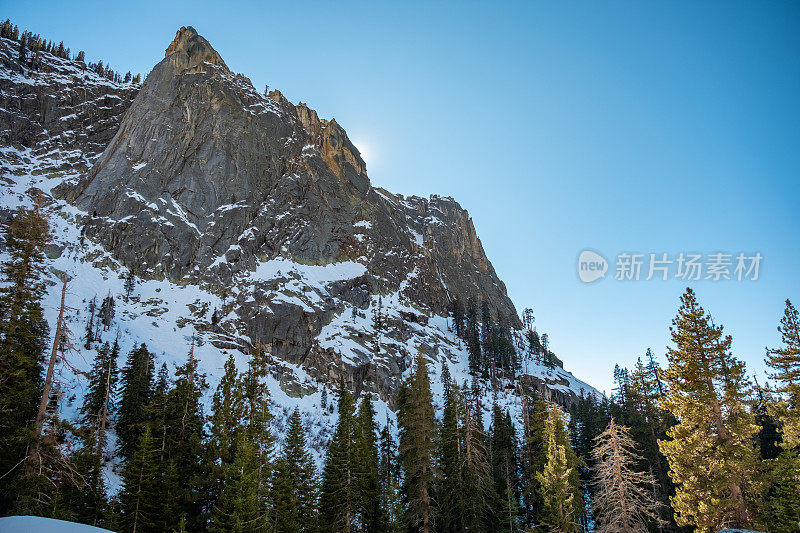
{"points": [[189, 50]]}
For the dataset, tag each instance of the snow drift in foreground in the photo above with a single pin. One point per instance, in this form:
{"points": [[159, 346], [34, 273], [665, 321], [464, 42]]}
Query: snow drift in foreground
{"points": [[37, 524]]}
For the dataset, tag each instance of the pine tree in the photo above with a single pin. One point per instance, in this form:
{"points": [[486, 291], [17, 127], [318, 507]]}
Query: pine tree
{"points": [[239, 507], [257, 416], [338, 499], [98, 404], [504, 462], [135, 394], [648, 422], [785, 365], [130, 281], [301, 477], [139, 497], [97, 410], [624, 501], [23, 49], [710, 451], [284, 500], [23, 340], [106, 314], [365, 453], [89, 499], [479, 495], [89, 335], [389, 482], [533, 453], [779, 510], [185, 437], [155, 413], [227, 410], [558, 481], [227, 414], [417, 425], [451, 461]]}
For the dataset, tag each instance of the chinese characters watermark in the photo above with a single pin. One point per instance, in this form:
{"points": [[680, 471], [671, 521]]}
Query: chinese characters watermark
{"points": [[685, 266]]}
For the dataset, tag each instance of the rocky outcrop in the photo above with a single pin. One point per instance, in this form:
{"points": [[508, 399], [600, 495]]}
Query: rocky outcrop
{"points": [[205, 181], [60, 106]]}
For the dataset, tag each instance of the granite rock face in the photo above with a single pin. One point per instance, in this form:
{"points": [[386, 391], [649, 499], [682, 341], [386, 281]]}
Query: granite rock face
{"points": [[206, 178], [196, 178], [59, 107]]}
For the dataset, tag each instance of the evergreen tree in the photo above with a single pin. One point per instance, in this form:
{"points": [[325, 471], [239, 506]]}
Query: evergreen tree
{"points": [[156, 412], [284, 499], [417, 425], [257, 417], [389, 482], [710, 451], [136, 390], [239, 507], [106, 314], [534, 449], [88, 499], [785, 365], [779, 510], [298, 468], [227, 408], [473, 339], [97, 410], [558, 481], [185, 438], [479, 495], [89, 335], [130, 281], [23, 49], [98, 404], [338, 500], [366, 462], [23, 340], [139, 497], [505, 473], [624, 501], [451, 461]]}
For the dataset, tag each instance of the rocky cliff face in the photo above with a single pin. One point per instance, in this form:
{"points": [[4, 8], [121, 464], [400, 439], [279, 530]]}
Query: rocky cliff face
{"points": [[206, 179], [256, 215], [61, 109]]}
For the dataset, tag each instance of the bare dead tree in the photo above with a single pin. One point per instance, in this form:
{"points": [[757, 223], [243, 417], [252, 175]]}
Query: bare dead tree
{"points": [[624, 501]]}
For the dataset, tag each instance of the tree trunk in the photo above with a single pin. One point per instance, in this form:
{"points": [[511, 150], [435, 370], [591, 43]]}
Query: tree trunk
{"points": [[48, 382]]}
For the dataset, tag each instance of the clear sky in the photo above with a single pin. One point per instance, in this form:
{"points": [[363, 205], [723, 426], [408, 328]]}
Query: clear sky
{"points": [[560, 126]]}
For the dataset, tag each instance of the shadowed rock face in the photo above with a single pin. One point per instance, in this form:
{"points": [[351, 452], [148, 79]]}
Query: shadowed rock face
{"points": [[60, 107], [206, 179]]}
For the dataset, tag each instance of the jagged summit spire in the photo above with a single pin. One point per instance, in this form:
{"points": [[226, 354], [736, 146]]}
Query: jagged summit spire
{"points": [[189, 50]]}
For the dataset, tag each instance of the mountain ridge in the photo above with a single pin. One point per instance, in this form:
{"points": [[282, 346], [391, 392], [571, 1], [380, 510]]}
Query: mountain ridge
{"points": [[329, 251]]}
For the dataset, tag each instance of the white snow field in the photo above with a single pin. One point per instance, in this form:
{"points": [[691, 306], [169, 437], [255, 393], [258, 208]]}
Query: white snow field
{"points": [[37, 524]]}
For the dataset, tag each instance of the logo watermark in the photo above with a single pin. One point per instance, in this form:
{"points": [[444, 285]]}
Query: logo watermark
{"points": [[591, 266], [684, 266]]}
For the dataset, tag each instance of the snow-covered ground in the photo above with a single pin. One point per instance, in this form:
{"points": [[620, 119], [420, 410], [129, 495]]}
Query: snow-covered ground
{"points": [[37, 524]]}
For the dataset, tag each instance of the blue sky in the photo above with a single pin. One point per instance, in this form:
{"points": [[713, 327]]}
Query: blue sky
{"points": [[615, 126]]}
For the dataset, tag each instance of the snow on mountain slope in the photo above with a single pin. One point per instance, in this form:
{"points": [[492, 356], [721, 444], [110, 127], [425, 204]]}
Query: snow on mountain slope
{"points": [[405, 257]]}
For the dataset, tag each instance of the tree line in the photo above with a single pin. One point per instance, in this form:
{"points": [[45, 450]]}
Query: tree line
{"points": [[32, 45], [688, 447]]}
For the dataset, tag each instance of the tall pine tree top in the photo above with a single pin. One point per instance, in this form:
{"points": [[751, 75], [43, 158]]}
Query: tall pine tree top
{"points": [[711, 452], [785, 365]]}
